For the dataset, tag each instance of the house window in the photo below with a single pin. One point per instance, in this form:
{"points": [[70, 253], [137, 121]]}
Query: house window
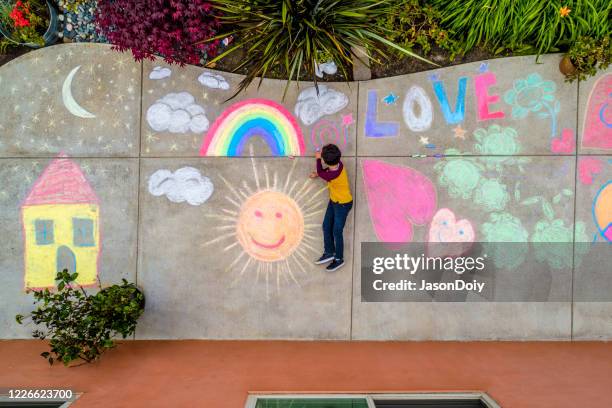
{"points": [[44, 232], [83, 232], [416, 400]]}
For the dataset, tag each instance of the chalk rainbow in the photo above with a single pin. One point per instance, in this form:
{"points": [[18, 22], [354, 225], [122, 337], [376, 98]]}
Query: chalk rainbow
{"points": [[250, 118]]}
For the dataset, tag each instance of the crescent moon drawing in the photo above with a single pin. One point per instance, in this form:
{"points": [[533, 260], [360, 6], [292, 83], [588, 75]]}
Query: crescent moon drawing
{"points": [[69, 102]]}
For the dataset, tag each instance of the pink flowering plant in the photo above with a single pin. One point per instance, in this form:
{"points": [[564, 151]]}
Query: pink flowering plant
{"points": [[172, 29]]}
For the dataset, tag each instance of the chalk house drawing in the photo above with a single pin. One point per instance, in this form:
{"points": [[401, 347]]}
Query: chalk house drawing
{"points": [[268, 227], [184, 185], [69, 102], [597, 127], [263, 118], [312, 106], [177, 113], [61, 224]]}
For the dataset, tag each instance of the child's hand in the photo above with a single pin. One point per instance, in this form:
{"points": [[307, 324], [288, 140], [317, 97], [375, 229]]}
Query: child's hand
{"points": [[313, 175], [317, 155]]}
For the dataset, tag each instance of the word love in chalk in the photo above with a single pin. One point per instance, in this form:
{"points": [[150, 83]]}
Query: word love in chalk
{"points": [[417, 108]]}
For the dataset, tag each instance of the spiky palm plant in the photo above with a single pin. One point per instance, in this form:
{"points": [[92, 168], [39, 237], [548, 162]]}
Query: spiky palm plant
{"points": [[293, 34]]}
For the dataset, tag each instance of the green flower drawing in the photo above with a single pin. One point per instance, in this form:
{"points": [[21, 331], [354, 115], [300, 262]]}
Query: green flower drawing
{"points": [[461, 176], [504, 228], [553, 242], [491, 195], [535, 95], [501, 142]]}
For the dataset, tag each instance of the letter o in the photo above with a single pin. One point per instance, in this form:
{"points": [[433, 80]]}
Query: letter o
{"points": [[422, 122]]}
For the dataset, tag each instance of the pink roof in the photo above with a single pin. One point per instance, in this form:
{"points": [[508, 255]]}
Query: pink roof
{"points": [[62, 182]]}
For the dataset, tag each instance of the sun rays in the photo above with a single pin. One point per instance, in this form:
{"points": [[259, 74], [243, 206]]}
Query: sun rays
{"points": [[268, 227]]}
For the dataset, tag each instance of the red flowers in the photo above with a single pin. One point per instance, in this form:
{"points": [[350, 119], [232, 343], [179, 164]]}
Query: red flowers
{"points": [[19, 15]]}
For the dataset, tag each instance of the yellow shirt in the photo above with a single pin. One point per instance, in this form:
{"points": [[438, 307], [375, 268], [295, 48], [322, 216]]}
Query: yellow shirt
{"points": [[337, 183]]}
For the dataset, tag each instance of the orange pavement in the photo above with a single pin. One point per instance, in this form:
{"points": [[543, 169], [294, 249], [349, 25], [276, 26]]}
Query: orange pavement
{"points": [[220, 373]]}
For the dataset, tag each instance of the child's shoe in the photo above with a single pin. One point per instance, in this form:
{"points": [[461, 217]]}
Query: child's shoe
{"points": [[335, 265], [324, 259]]}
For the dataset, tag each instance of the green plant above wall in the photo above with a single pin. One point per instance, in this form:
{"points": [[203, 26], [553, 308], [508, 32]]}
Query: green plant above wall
{"points": [[524, 26], [81, 326], [296, 35]]}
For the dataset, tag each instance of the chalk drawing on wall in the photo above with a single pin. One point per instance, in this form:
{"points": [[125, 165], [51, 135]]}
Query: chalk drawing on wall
{"points": [[390, 99], [160, 73], [501, 142], [446, 228], [480, 179], [263, 118], [597, 126], [373, 127], [69, 102], [328, 131], [588, 167], [482, 83], [459, 132], [504, 227], [61, 224], [452, 117], [312, 106], [417, 109], [461, 176], [565, 143], [214, 81], [392, 215], [177, 113], [184, 185], [555, 231], [534, 95], [269, 228], [602, 211]]}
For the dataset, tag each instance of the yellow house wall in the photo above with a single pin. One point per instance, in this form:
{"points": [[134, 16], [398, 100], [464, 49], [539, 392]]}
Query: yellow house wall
{"points": [[41, 260]]}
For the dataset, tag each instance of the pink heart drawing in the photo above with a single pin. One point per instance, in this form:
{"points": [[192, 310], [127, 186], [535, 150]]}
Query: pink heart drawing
{"points": [[597, 127], [398, 197], [449, 236], [587, 168], [564, 144]]}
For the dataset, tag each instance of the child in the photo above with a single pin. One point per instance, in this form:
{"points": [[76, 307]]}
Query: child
{"points": [[340, 204]]}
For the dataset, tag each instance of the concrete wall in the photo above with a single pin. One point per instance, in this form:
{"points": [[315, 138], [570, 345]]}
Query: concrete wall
{"points": [[507, 145]]}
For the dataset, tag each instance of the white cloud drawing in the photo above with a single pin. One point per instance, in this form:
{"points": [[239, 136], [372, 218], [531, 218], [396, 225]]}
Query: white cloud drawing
{"points": [[160, 73], [185, 184], [214, 81], [177, 113], [310, 107]]}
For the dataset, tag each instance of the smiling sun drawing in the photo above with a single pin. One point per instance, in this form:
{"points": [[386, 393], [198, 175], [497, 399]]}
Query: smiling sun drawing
{"points": [[267, 227]]}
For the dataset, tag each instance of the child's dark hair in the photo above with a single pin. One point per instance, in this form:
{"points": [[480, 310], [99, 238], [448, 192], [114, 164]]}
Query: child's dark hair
{"points": [[331, 154]]}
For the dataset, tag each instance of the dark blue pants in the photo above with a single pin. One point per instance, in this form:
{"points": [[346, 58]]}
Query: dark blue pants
{"points": [[333, 224]]}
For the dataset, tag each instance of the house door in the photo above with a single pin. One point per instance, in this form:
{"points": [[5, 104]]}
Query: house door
{"points": [[66, 259]]}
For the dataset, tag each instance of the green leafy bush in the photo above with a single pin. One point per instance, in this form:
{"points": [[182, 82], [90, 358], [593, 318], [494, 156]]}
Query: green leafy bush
{"points": [[524, 26], [292, 35], [80, 326], [416, 26], [588, 55]]}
